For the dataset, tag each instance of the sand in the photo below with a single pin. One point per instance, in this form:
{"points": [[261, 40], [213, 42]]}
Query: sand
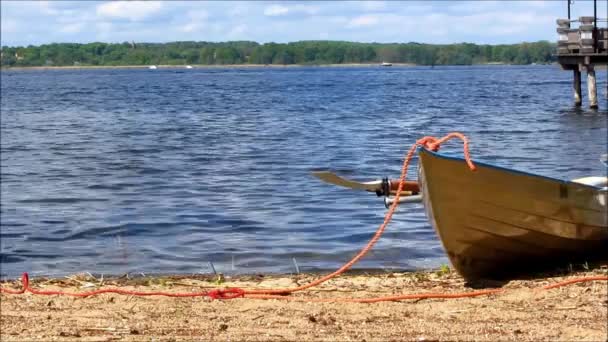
{"points": [[578, 312]]}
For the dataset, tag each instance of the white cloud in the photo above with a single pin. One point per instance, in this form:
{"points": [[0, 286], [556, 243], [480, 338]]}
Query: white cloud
{"points": [[363, 20], [493, 22], [132, 10], [275, 10]]}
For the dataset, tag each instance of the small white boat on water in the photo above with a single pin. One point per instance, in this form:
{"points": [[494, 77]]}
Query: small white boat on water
{"points": [[188, 66], [152, 67], [386, 64]]}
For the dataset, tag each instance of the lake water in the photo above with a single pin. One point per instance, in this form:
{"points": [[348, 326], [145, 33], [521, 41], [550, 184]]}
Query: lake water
{"points": [[162, 171]]}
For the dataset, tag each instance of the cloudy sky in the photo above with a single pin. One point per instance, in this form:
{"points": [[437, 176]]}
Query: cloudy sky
{"points": [[492, 22]]}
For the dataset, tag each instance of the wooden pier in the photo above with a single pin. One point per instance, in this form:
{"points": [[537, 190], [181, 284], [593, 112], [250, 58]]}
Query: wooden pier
{"points": [[583, 48]]}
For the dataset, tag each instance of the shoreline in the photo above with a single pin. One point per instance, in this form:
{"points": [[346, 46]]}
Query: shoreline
{"points": [[523, 312], [235, 66], [199, 66]]}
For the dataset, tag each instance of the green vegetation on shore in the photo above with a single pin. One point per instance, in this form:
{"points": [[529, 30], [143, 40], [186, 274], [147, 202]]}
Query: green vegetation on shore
{"points": [[245, 52]]}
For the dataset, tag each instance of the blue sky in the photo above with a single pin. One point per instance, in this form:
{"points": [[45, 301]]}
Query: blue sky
{"points": [[491, 22]]}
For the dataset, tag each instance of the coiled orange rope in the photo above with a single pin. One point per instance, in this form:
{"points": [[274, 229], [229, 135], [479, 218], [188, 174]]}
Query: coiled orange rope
{"points": [[429, 142]]}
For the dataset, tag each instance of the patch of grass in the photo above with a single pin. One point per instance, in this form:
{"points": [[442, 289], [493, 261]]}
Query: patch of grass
{"points": [[443, 270], [421, 276], [574, 267], [220, 279]]}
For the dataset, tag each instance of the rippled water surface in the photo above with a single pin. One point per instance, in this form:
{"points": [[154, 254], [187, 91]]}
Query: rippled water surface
{"points": [[162, 171]]}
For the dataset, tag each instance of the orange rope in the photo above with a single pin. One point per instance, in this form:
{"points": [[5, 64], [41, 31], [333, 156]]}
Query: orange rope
{"points": [[573, 281], [235, 293], [429, 142], [215, 294]]}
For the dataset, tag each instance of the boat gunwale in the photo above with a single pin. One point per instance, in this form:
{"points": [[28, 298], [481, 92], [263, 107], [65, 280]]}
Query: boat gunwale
{"points": [[502, 168]]}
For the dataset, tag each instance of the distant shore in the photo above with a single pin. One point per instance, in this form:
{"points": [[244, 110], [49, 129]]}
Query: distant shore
{"points": [[200, 66], [219, 66]]}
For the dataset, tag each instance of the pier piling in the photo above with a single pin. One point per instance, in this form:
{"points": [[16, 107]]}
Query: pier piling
{"points": [[591, 87], [578, 99]]}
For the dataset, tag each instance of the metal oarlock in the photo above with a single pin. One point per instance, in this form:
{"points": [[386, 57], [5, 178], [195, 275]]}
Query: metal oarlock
{"points": [[384, 188], [388, 201]]}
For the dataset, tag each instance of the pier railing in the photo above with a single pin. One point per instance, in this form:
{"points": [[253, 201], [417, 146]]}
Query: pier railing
{"points": [[586, 39]]}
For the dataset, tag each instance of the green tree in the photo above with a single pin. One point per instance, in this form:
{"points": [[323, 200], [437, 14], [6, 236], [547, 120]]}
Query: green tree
{"points": [[303, 52]]}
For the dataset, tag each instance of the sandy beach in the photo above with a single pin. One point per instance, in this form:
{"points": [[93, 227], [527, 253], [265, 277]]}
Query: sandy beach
{"points": [[522, 312]]}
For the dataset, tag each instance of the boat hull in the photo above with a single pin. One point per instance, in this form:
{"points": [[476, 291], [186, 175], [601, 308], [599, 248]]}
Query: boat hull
{"points": [[499, 223]]}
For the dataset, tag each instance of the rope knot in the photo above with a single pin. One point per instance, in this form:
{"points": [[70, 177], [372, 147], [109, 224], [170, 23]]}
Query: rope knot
{"points": [[229, 293], [430, 143], [433, 144]]}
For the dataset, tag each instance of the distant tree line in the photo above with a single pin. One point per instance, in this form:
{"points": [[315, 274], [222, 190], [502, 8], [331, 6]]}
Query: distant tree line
{"points": [[245, 52]]}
